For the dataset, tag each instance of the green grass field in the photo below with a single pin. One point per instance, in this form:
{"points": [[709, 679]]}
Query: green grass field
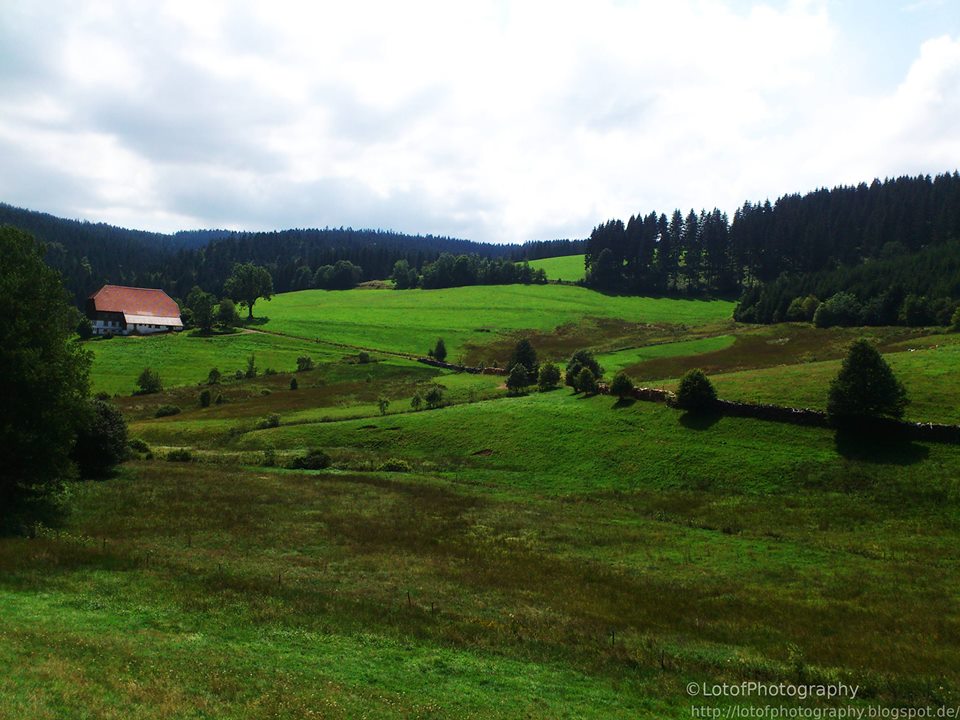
{"points": [[410, 321], [568, 268], [186, 359], [545, 556]]}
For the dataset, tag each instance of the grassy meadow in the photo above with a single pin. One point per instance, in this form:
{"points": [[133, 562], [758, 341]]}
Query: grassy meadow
{"points": [[543, 556], [410, 321], [568, 268]]}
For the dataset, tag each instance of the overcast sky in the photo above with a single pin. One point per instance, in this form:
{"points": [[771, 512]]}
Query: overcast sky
{"points": [[499, 121]]}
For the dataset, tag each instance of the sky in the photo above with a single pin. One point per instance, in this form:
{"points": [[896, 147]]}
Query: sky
{"points": [[494, 121]]}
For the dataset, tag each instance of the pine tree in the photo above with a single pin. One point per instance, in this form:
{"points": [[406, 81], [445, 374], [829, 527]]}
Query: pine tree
{"points": [[865, 388]]}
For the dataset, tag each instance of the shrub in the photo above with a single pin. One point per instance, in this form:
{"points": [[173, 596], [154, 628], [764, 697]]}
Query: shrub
{"points": [[101, 441], [579, 360], [865, 388], [622, 385], [138, 445], [315, 459], [270, 421], [518, 379], [434, 397], [148, 382], [586, 381], [363, 357], [304, 363], [180, 455], [695, 391], [416, 402], [548, 377], [439, 351], [269, 371], [294, 384], [395, 465], [251, 367], [842, 309], [803, 308], [269, 457], [383, 403], [238, 374], [205, 398], [213, 377], [167, 411], [85, 328], [227, 313]]}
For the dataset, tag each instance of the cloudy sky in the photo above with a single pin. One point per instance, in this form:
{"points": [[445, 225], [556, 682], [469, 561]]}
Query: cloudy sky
{"points": [[495, 121]]}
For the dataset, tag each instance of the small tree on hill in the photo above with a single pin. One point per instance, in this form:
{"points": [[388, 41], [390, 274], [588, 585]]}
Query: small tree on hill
{"points": [[251, 371], [548, 377], [622, 385], [579, 360], [304, 363], [439, 351], [586, 382], [518, 379], [416, 402], [149, 382], [101, 441], [525, 355], [213, 377], [201, 305], [85, 328], [434, 397], [695, 391], [865, 388], [247, 284], [227, 313], [383, 403]]}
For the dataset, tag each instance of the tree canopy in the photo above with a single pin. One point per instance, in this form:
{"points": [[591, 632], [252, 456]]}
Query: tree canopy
{"points": [[247, 284], [44, 382]]}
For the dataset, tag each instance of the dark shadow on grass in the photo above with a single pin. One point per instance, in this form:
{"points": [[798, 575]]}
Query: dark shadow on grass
{"points": [[700, 419], [884, 448], [258, 320], [624, 402]]}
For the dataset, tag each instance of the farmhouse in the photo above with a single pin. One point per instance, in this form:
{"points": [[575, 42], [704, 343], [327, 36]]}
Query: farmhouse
{"points": [[118, 310]]}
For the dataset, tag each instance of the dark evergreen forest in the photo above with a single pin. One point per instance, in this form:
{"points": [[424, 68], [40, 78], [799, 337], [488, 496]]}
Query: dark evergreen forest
{"points": [[886, 244], [89, 255]]}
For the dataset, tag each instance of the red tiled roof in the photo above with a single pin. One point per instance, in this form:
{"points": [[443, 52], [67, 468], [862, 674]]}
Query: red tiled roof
{"points": [[134, 301]]}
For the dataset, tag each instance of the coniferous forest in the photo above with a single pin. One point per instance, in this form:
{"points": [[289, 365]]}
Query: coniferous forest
{"points": [[878, 254], [88, 255], [890, 250]]}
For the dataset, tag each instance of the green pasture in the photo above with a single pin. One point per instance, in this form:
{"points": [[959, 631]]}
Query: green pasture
{"points": [[568, 268], [930, 373], [551, 557], [410, 321], [186, 359]]}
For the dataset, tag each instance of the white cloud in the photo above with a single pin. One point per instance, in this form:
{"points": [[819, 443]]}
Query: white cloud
{"points": [[499, 121]]}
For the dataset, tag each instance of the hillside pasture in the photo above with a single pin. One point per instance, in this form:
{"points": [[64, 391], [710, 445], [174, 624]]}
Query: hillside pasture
{"points": [[186, 358], [552, 556], [565, 268], [410, 321]]}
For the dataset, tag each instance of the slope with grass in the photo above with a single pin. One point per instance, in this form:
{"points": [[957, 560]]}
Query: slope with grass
{"points": [[410, 321], [542, 556], [186, 358], [553, 556], [566, 268]]}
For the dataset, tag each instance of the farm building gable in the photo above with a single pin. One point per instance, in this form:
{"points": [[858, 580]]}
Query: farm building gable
{"points": [[119, 310]]}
